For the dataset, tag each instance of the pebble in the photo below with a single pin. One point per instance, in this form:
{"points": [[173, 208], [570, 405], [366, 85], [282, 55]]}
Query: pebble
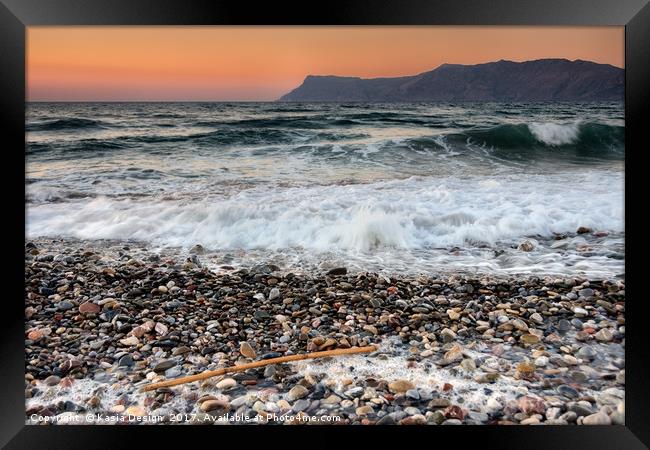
{"points": [[226, 383], [604, 335], [529, 339], [300, 405], [125, 361], [567, 391], [580, 311], [400, 386], [89, 308], [65, 305], [275, 293], [52, 380], [356, 391], [479, 329], [164, 365], [297, 392], [600, 418], [246, 350], [130, 341], [536, 317], [218, 403], [364, 410], [531, 405]]}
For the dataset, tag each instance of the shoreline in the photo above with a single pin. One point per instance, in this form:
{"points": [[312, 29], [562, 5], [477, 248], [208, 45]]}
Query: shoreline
{"points": [[455, 349]]}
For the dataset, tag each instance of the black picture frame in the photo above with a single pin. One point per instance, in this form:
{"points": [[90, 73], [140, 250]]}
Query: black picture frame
{"points": [[16, 15]]}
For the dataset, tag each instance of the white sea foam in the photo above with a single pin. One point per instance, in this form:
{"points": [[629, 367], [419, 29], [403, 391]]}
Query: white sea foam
{"points": [[379, 219], [555, 134]]}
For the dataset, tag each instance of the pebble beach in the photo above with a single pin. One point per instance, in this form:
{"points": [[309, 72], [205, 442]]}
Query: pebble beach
{"points": [[104, 318]]}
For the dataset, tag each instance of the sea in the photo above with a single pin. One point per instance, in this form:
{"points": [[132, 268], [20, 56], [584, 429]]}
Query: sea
{"points": [[395, 188]]}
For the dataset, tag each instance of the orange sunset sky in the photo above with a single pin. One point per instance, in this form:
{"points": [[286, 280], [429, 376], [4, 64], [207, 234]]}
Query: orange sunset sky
{"points": [[231, 63]]}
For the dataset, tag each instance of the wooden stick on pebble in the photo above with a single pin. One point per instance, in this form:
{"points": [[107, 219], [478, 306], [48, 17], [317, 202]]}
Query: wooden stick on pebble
{"points": [[262, 363]]}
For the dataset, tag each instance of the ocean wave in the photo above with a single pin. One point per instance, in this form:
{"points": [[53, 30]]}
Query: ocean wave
{"points": [[90, 146], [74, 123], [588, 135], [415, 213]]}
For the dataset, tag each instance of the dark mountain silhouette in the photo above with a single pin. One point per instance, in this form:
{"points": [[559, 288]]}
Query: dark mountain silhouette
{"points": [[501, 81]]}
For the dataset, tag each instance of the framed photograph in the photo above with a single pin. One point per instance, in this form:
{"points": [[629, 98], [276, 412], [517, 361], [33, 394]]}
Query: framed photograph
{"points": [[371, 213]]}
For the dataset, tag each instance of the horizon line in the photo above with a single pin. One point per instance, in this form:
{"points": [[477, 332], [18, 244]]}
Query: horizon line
{"points": [[327, 76]]}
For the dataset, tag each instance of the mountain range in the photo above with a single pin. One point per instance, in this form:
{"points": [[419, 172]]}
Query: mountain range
{"points": [[501, 81]]}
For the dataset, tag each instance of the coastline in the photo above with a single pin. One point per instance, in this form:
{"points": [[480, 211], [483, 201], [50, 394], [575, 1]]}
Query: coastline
{"points": [[452, 349]]}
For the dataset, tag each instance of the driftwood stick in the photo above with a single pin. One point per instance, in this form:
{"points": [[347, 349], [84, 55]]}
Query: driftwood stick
{"points": [[261, 363]]}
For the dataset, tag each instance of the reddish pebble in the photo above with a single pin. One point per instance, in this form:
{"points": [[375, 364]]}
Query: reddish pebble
{"points": [[454, 412], [531, 405], [34, 335], [89, 308]]}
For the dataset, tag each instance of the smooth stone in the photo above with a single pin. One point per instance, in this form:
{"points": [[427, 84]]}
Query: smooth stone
{"points": [[587, 292], [297, 392], [536, 317], [164, 365], [398, 386], [337, 271], [452, 422], [333, 399], [161, 329], [246, 350], [541, 361], [89, 308], [220, 403], [364, 410], [580, 311], [580, 410], [529, 339], [300, 405], [275, 293], [567, 391], [125, 361], [604, 335], [528, 405], [356, 391], [52, 380], [388, 419], [181, 350], [586, 352], [413, 394], [226, 383], [577, 323], [568, 416], [174, 372], [600, 418], [439, 403], [65, 305], [130, 341]]}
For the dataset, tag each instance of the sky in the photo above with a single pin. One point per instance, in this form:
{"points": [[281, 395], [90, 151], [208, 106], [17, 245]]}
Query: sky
{"points": [[236, 63]]}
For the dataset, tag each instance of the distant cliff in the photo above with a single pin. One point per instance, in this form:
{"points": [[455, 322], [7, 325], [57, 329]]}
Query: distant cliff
{"points": [[501, 81]]}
